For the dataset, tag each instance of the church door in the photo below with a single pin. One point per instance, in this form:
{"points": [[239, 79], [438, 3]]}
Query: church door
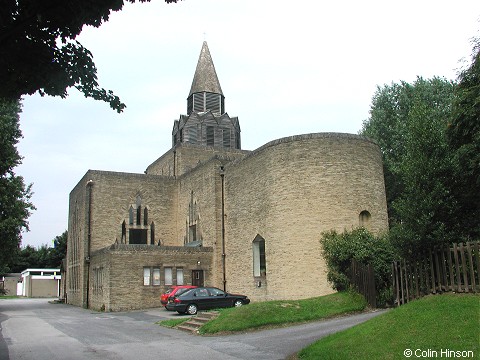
{"points": [[197, 277]]}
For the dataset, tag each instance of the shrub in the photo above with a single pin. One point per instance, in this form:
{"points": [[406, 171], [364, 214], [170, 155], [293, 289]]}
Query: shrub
{"points": [[363, 246]]}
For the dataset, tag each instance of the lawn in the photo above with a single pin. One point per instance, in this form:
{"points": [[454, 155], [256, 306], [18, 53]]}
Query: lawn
{"points": [[431, 327], [277, 313]]}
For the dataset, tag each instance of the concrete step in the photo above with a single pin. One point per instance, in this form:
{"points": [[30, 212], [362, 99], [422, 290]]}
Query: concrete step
{"points": [[197, 321]]}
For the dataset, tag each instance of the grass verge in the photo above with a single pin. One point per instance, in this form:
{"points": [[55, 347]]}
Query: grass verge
{"points": [[274, 313], [434, 323], [173, 322], [5, 297]]}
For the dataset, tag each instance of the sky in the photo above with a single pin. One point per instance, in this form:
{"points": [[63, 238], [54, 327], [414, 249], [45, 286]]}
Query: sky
{"points": [[285, 68]]}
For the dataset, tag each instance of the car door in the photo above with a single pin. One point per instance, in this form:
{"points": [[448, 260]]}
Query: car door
{"points": [[218, 297], [202, 298]]}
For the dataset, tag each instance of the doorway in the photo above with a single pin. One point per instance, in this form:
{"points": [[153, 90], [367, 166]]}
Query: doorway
{"points": [[197, 277]]}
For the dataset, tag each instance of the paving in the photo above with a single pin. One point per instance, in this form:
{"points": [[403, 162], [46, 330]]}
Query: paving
{"points": [[37, 329]]}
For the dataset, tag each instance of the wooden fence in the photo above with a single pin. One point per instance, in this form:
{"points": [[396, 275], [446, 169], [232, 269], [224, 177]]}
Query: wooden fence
{"points": [[363, 278], [455, 269]]}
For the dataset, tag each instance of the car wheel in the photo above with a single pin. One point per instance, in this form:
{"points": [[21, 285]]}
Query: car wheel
{"points": [[192, 309], [238, 303]]}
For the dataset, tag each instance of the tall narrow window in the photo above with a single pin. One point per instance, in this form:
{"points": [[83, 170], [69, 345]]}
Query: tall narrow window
{"points": [[259, 260], [139, 215], [156, 276], [124, 232], [152, 234], [179, 276], [168, 276], [130, 215], [145, 216], [193, 232], [146, 276]]}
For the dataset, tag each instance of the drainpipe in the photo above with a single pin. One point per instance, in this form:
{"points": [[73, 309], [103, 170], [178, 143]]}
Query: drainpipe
{"points": [[89, 238], [222, 176], [174, 163]]}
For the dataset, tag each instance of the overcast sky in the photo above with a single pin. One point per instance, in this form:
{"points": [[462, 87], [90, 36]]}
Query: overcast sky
{"points": [[285, 68]]}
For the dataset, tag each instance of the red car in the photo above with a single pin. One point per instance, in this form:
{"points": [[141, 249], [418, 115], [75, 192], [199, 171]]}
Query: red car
{"points": [[174, 290]]}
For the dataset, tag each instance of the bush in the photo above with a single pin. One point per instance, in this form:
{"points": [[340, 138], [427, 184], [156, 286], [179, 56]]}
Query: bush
{"points": [[363, 246]]}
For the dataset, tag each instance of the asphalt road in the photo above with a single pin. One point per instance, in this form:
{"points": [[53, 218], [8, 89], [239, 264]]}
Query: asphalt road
{"points": [[37, 329]]}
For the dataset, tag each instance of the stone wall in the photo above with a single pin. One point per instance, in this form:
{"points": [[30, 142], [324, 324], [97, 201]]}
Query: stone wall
{"points": [[288, 192], [184, 157], [123, 287]]}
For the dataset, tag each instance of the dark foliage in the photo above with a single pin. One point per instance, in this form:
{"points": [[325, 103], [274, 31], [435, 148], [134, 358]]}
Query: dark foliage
{"points": [[38, 50]]}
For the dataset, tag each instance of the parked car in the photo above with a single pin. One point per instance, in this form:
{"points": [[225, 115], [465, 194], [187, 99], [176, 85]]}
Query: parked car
{"points": [[174, 290], [204, 298]]}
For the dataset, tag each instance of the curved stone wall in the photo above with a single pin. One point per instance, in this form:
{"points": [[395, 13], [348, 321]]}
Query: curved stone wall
{"points": [[289, 191]]}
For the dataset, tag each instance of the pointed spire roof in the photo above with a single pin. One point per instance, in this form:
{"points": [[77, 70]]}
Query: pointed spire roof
{"points": [[205, 78]]}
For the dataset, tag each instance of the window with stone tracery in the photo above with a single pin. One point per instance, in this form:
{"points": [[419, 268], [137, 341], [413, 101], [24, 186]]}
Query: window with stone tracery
{"points": [[138, 229], [193, 236]]}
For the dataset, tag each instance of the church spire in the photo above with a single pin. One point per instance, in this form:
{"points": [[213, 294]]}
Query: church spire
{"points": [[205, 78], [206, 93]]}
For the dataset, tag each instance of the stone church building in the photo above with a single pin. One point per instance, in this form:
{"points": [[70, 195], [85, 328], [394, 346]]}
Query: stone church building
{"points": [[209, 213]]}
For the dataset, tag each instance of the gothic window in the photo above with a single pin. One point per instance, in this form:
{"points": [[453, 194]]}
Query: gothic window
{"points": [[139, 215], [136, 231], [124, 232], [152, 233], [193, 235], [259, 260], [130, 215], [145, 216]]}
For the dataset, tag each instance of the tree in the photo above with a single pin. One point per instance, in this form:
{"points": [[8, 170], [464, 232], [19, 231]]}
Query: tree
{"points": [[15, 205], [361, 245], [43, 256], [408, 121], [463, 135], [59, 250], [38, 50]]}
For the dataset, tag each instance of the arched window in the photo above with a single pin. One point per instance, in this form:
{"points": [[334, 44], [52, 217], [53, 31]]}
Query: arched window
{"points": [[152, 233], [124, 232], [145, 216], [259, 260], [364, 219], [130, 215], [139, 215]]}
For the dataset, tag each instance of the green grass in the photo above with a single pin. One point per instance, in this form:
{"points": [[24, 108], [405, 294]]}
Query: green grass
{"points": [[433, 323], [276, 313], [173, 322], [5, 297]]}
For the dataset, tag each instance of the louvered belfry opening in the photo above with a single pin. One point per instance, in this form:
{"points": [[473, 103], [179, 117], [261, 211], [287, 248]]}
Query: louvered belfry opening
{"points": [[206, 122], [206, 101]]}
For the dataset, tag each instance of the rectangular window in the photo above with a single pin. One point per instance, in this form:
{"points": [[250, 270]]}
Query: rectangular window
{"points": [[146, 276], [180, 276], [156, 276], [168, 276]]}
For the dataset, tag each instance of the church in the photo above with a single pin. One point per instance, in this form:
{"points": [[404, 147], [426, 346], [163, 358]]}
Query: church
{"points": [[209, 213]]}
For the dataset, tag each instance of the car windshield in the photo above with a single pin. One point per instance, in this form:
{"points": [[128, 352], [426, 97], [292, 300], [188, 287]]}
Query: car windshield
{"points": [[216, 292], [169, 291]]}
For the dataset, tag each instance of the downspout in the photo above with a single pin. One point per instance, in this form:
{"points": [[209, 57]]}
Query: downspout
{"points": [[174, 163], [89, 238], [222, 176]]}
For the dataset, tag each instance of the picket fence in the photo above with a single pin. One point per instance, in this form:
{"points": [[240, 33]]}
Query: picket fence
{"points": [[448, 269]]}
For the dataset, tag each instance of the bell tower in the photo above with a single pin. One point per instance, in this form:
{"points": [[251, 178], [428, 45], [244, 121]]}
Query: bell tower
{"points": [[206, 123]]}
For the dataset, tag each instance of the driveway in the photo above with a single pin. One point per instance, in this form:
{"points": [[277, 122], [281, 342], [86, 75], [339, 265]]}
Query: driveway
{"points": [[37, 329]]}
